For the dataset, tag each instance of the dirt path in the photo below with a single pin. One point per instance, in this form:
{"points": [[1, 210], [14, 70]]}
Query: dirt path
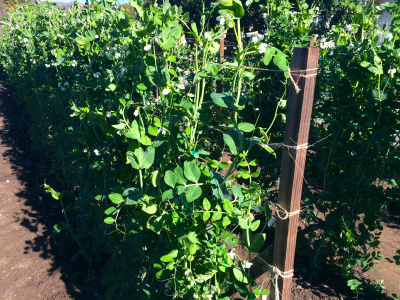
{"points": [[32, 265]]}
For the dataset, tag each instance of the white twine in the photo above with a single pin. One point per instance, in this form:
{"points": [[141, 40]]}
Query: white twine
{"points": [[296, 87], [275, 274], [282, 213]]}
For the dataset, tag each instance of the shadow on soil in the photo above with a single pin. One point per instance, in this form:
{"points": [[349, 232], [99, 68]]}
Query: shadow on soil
{"points": [[40, 209]]}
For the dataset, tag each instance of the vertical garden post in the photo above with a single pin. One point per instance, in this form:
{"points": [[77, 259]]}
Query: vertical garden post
{"points": [[298, 118]]}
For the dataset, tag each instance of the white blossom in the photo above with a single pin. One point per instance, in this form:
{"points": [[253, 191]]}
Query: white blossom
{"points": [[97, 75], [96, 152], [180, 86], [247, 265], [85, 150], [231, 254], [136, 113], [208, 36], [255, 36], [349, 27], [392, 72], [25, 40], [117, 55], [166, 91], [147, 47], [262, 47], [108, 114], [74, 63], [389, 36]]}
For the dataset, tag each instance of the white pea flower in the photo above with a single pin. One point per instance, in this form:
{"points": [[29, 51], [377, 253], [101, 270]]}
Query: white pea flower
{"points": [[96, 36], [389, 36], [349, 27], [221, 20], [208, 36], [74, 63], [187, 272], [123, 70], [96, 152], [271, 221], [136, 113], [25, 40], [264, 15], [108, 114], [262, 47], [231, 254], [180, 86], [255, 36], [166, 91], [117, 55], [85, 150], [247, 265], [392, 72], [119, 132], [195, 296], [147, 47], [97, 75]]}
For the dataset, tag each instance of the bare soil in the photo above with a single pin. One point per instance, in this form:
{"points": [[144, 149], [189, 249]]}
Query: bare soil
{"points": [[33, 265]]}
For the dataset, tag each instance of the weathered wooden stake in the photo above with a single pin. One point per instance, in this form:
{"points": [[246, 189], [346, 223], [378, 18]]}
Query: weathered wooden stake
{"points": [[298, 118], [221, 60]]}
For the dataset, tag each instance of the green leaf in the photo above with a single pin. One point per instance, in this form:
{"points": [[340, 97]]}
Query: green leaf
{"points": [[240, 275], [246, 127], [109, 220], [168, 194], [110, 210], [142, 159], [228, 206], [217, 215], [206, 204], [170, 178], [226, 221], [254, 225], [155, 178], [206, 216], [193, 192], [180, 178], [243, 223], [119, 126], [233, 139], [365, 64], [116, 198], [112, 87], [268, 54], [170, 256], [152, 209], [133, 132], [257, 242], [281, 62], [192, 171], [224, 100], [141, 87]]}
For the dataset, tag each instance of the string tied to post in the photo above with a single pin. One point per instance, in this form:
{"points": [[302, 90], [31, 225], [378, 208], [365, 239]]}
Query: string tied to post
{"points": [[282, 213], [302, 74], [275, 274]]}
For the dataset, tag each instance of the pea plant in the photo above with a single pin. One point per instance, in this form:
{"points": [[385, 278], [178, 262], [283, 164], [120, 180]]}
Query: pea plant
{"points": [[156, 156]]}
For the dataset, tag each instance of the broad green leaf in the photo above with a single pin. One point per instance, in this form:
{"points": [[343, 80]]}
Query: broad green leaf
{"points": [[206, 204], [225, 100], [365, 64], [268, 54], [116, 198], [170, 178], [257, 242], [193, 192], [240, 275], [180, 178], [281, 62], [142, 159], [246, 127], [206, 216], [170, 256], [152, 209], [227, 205], [133, 132], [110, 210], [254, 225], [112, 87], [226, 221], [192, 171], [168, 194], [109, 220], [233, 139], [141, 87], [217, 215], [243, 223]]}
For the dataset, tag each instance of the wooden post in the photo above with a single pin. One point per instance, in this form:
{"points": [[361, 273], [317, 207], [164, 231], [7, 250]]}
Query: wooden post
{"points": [[298, 118]]}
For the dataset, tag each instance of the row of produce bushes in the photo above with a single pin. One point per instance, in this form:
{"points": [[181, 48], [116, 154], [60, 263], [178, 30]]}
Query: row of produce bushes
{"points": [[166, 174]]}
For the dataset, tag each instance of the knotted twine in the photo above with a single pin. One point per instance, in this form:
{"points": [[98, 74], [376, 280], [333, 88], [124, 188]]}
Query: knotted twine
{"points": [[299, 73]]}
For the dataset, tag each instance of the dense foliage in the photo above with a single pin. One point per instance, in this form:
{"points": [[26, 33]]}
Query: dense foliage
{"points": [[166, 151]]}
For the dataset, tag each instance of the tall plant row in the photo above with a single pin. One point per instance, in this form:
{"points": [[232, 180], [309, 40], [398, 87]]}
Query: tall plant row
{"points": [[168, 154]]}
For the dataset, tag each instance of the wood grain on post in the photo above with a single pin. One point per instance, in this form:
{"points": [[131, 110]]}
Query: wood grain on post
{"points": [[298, 118], [221, 61]]}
